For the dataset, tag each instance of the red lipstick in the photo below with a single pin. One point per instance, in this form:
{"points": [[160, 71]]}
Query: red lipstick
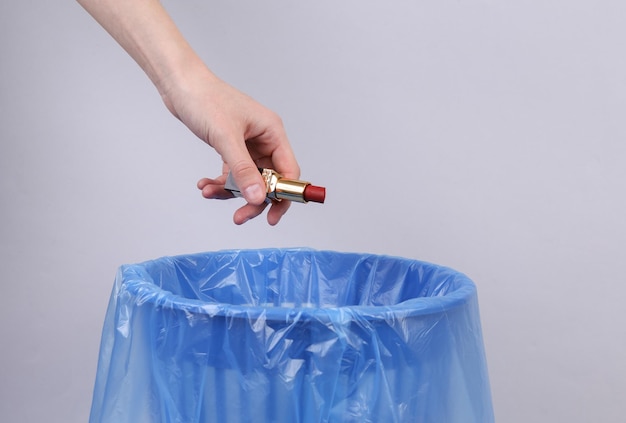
{"points": [[314, 193], [279, 188]]}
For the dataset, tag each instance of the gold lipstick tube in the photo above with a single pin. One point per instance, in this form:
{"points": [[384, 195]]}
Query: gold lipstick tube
{"points": [[279, 188]]}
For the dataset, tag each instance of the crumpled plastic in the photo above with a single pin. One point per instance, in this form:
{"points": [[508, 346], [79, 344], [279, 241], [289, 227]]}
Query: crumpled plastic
{"points": [[293, 336]]}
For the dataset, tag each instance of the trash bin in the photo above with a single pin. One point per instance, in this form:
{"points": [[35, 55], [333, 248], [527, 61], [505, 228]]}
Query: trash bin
{"points": [[291, 336]]}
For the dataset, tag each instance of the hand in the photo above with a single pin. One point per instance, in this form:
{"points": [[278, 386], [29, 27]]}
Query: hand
{"points": [[246, 134]]}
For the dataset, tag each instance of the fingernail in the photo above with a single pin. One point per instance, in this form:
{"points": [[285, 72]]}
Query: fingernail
{"points": [[254, 194]]}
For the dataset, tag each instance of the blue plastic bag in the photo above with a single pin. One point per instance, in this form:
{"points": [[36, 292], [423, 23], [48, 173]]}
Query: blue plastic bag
{"points": [[291, 336]]}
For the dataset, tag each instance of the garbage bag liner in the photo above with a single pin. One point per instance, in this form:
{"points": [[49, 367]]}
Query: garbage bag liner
{"points": [[293, 336]]}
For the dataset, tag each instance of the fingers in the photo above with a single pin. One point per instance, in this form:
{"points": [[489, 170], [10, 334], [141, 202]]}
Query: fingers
{"points": [[277, 211], [278, 152], [247, 212], [252, 186], [214, 189], [284, 161]]}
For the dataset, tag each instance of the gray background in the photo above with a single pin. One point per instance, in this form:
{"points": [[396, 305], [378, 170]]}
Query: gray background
{"points": [[487, 136]]}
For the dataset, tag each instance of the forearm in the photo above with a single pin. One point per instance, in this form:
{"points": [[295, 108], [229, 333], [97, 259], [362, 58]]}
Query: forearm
{"points": [[145, 30]]}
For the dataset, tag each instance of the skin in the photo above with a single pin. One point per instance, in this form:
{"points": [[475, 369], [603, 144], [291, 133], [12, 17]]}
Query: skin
{"points": [[245, 134]]}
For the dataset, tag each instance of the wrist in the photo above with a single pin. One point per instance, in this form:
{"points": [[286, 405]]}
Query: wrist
{"points": [[180, 82]]}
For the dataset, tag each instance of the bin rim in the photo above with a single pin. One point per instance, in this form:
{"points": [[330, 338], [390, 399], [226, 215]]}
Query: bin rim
{"points": [[146, 291]]}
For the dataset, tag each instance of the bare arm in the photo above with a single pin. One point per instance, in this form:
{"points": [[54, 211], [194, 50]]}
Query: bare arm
{"points": [[246, 134]]}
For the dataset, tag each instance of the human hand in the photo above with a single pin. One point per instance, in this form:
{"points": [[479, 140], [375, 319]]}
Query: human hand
{"points": [[247, 135], [244, 133]]}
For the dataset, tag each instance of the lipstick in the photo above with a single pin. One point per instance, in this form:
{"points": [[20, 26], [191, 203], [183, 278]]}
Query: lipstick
{"points": [[279, 188]]}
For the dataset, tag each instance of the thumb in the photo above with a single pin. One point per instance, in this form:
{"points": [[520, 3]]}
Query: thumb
{"points": [[245, 173], [249, 181]]}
